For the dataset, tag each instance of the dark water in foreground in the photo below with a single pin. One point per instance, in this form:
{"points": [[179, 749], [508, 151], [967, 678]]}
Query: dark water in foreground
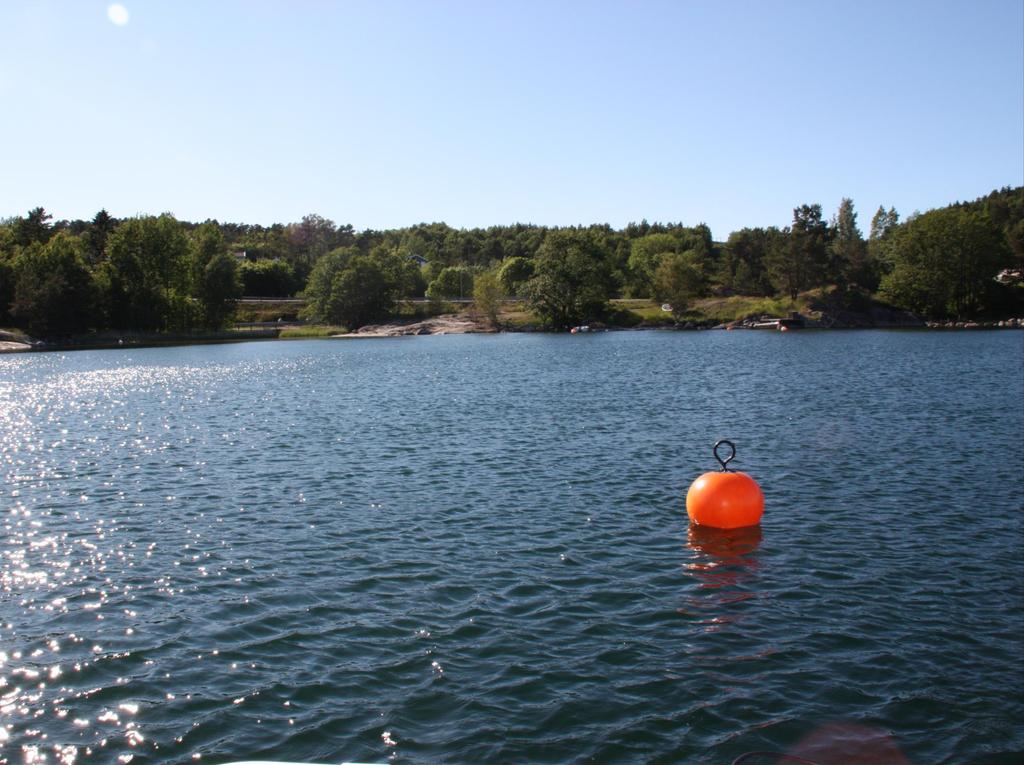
{"points": [[474, 550]]}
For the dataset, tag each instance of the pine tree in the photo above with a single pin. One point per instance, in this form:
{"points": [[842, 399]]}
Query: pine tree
{"points": [[848, 250], [100, 228], [883, 222]]}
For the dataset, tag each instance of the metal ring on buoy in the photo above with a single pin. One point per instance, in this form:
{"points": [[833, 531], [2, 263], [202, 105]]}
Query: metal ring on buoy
{"points": [[729, 459]]}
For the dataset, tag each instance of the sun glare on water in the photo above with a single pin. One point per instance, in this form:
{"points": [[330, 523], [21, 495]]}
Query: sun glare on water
{"points": [[118, 14]]}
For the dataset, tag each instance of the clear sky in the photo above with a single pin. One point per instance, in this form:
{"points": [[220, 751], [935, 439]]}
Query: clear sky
{"points": [[383, 113]]}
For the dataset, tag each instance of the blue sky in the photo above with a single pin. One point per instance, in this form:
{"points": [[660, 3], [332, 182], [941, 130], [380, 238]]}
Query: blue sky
{"points": [[384, 114]]}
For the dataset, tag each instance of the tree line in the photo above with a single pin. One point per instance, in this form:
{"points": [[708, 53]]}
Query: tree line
{"points": [[146, 274], [158, 274]]}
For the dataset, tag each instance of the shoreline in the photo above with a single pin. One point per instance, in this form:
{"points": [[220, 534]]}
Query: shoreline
{"points": [[449, 324]]}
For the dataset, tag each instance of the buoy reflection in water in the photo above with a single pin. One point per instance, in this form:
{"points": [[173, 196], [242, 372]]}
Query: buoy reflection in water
{"points": [[728, 545], [724, 565]]}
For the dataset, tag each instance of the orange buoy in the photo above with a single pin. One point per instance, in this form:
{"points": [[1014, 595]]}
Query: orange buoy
{"points": [[726, 499]]}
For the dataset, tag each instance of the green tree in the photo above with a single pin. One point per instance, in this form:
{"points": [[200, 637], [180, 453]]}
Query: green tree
{"points": [[459, 247], [677, 280], [514, 272], [848, 251], [431, 270], [269, 243], [451, 282], [743, 268], [321, 282], [883, 222], [34, 228], [404, 277], [6, 271], [698, 241], [645, 256], [146, 276], [6, 289], [96, 235], [310, 239], [797, 261], [205, 243], [219, 290], [214, 276], [267, 278], [7, 244], [571, 282], [53, 289], [1015, 239], [346, 287], [944, 262], [360, 293], [488, 294]]}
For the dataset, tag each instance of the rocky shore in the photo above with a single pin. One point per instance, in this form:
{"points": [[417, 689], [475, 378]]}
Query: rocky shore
{"points": [[448, 324], [14, 343]]}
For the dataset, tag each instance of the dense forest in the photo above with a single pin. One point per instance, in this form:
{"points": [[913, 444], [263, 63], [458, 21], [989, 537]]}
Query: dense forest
{"points": [[157, 274]]}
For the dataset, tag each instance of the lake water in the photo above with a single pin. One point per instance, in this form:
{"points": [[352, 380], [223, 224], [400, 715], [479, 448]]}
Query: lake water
{"points": [[474, 549]]}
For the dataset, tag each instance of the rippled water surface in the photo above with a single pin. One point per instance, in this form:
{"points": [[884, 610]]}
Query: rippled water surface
{"points": [[474, 549]]}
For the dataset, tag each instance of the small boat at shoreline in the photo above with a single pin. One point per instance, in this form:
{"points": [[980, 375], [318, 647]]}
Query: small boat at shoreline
{"points": [[779, 324]]}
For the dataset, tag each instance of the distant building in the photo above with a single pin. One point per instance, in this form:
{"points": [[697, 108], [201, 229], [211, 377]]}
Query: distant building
{"points": [[419, 260], [240, 255]]}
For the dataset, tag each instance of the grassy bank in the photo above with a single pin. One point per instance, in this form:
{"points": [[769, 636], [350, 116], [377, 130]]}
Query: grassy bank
{"points": [[311, 331], [268, 309]]}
